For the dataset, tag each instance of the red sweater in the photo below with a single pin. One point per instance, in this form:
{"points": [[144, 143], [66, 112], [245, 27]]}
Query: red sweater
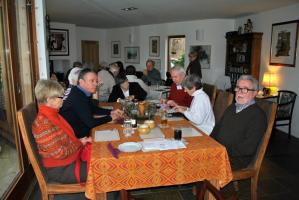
{"points": [[56, 141], [181, 97]]}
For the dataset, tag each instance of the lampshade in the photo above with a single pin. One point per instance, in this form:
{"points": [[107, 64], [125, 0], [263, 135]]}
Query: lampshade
{"points": [[269, 80]]}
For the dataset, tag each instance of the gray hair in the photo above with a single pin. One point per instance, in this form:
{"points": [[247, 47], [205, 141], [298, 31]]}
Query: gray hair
{"points": [[249, 78], [192, 81], [45, 89], [178, 68]]}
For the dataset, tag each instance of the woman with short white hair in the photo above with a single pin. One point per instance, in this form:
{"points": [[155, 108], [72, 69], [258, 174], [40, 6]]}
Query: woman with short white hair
{"points": [[200, 112]]}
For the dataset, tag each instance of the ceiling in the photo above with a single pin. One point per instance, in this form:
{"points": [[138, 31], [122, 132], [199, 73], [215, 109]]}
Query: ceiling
{"points": [[108, 13]]}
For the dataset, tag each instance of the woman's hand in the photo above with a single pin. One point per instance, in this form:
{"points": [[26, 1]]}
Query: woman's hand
{"points": [[180, 109], [86, 140]]}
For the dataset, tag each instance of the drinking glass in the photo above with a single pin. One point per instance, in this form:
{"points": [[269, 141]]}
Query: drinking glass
{"points": [[127, 128]]}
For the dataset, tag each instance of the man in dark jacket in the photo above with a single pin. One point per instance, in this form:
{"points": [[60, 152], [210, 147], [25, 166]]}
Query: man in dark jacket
{"points": [[79, 110], [243, 124]]}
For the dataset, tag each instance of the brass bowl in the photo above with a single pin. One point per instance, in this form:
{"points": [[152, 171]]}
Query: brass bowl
{"points": [[150, 123], [143, 129]]}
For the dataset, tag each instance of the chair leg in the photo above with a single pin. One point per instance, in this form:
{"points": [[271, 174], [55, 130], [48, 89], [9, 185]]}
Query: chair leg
{"points": [[290, 128], [254, 188], [124, 195], [236, 186]]}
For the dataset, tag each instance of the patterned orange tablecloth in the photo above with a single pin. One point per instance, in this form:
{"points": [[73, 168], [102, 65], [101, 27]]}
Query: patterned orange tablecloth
{"points": [[203, 158]]}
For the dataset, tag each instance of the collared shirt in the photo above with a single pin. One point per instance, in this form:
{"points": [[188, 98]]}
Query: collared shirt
{"points": [[88, 94], [240, 107]]}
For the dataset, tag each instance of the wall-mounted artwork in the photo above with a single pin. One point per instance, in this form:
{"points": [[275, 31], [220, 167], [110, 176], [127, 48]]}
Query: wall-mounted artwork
{"points": [[59, 42], [154, 46], [132, 55], [204, 54], [284, 38], [115, 49]]}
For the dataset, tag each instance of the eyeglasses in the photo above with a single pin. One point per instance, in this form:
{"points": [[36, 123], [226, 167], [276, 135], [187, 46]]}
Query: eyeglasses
{"points": [[243, 90], [60, 97]]}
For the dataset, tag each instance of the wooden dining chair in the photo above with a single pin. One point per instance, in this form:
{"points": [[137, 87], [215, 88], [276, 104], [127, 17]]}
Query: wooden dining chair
{"points": [[253, 169], [223, 100], [210, 90], [205, 186], [26, 117], [285, 106]]}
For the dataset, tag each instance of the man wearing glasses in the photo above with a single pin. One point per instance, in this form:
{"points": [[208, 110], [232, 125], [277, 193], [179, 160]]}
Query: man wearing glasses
{"points": [[242, 125]]}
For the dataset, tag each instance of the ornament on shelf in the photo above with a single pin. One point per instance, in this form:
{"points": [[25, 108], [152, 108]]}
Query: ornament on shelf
{"points": [[248, 26]]}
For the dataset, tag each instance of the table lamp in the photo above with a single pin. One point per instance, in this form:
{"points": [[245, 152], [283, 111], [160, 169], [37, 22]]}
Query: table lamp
{"points": [[270, 84]]}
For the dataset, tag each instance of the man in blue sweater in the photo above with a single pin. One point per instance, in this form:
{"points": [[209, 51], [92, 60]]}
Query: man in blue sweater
{"points": [[79, 110]]}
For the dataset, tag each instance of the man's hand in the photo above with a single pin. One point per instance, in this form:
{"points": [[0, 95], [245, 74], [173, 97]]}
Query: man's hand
{"points": [[180, 109], [117, 114], [172, 103]]}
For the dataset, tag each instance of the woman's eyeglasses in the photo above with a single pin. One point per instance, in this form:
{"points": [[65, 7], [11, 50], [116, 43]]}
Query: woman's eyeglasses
{"points": [[243, 90]]}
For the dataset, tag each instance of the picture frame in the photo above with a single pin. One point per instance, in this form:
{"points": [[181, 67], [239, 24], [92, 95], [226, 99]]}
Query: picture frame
{"points": [[204, 54], [157, 63], [132, 55], [284, 37], [58, 42], [154, 46], [115, 49]]}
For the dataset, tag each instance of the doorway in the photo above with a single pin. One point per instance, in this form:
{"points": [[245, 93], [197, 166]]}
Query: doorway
{"points": [[90, 53], [176, 51]]}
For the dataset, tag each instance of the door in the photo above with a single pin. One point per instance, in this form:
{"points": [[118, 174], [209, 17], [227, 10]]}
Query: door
{"points": [[90, 53], [16, 79], [176, 51]]}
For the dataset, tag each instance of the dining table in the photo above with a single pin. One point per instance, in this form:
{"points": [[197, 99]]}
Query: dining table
{"points": [[203, 158]]}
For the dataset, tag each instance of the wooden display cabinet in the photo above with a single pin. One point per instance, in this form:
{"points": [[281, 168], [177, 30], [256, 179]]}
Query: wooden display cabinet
{"points": [[243, 52]]}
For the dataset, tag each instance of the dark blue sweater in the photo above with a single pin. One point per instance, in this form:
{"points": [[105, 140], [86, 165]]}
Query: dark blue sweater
{"points": [[78, 111]]}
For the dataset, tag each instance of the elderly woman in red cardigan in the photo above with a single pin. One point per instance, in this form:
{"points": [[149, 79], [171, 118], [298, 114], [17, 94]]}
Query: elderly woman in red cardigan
{"points": [[63, 155]]}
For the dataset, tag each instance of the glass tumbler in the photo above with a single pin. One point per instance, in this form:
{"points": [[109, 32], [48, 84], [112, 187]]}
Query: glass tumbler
{"points": [[127, 128]]}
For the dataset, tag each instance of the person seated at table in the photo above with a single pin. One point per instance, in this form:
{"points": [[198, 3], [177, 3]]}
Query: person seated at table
{"points": [[177, 95], [59, 148], [79, 110], [151, 75], [107, 81], [131, 75], [168, 81], [126, 90], [200, 112], [242, 125]]}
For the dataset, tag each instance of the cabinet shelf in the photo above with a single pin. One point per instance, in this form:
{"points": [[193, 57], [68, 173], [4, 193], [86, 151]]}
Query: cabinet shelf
{"points": [[243, 53]]}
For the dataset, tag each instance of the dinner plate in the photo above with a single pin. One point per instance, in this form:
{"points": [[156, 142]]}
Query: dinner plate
{"points": [[130, 147]]}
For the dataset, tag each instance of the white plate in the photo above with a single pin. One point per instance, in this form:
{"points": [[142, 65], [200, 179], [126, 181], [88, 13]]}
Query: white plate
{"points": [[129, 147]]}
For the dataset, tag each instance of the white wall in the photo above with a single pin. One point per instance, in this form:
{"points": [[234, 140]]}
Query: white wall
{"points": [[213, 31], [213, 34], [288, 76]]}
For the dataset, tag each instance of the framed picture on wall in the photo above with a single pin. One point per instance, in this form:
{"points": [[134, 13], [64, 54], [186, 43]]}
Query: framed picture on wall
{"points": [[154, 46], [204, 54], [284, 38], [58, 42], [132, 55], [115, 49]]}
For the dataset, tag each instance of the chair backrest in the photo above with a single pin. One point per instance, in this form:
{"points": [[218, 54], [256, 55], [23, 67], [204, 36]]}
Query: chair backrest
{"points": [[223, 100], [285, 103], [26, 116], [270, 109], [210, 90]]}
